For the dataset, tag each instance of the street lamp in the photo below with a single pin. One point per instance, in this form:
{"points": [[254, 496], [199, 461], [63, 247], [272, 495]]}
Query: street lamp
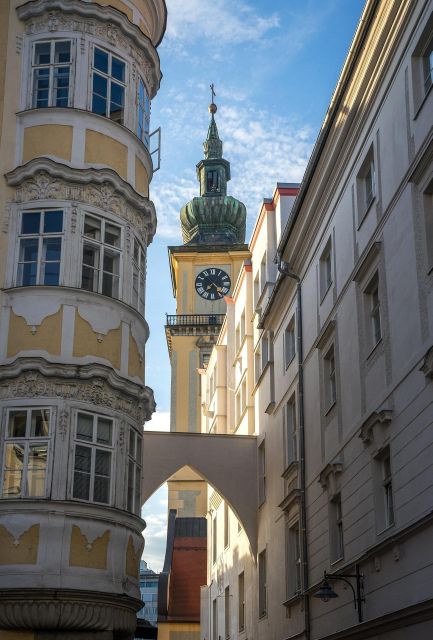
{"points": [[326, 592]]}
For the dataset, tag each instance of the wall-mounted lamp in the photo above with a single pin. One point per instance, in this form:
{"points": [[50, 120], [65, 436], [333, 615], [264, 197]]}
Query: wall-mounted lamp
{"points": [[326, 592]]}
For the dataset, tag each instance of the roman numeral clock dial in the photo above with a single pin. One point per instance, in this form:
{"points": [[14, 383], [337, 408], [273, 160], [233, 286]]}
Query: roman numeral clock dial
{"points": [[212, 284]]}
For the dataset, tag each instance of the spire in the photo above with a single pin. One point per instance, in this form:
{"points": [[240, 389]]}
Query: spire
{"points": [[213, 146], [213, 218]]}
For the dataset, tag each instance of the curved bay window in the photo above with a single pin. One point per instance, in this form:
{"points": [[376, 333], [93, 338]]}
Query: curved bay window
{"points": [[40, 247], [26, 453], [101, 256], [143, 113]]}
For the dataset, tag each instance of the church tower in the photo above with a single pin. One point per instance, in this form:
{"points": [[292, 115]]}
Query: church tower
{"points": [[203, 270]]}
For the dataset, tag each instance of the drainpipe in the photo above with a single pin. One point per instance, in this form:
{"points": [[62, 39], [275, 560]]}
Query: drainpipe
{"points": [[284, 270]]}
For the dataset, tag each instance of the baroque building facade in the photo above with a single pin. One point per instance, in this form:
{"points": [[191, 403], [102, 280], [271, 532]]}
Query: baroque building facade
{"points": [[76, 82], [325, 355]]}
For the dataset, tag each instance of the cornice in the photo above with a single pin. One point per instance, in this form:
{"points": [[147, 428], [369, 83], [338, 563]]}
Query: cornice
{"points": [[102, 14], [42, 176], [92, 382]]}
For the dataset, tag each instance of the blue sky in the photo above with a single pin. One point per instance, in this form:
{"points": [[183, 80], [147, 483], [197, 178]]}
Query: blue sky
{"points": [[275, 66]]}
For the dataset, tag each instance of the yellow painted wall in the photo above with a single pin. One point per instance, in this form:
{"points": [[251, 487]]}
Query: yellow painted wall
{"points": [[45, 337], [89, 343], [47, 140], [141, 178], [83, 553], [132, 560], [23, 550], [4, 24], [117, 4], [198, 491], [101, 149], [135, 362]]}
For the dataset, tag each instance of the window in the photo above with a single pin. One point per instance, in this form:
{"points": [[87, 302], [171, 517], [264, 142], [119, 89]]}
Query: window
{"points": [[93, 458], [26, 453], [138, 276], [262, 585], [108, 85], [134, 472], [336, 529], [373, 310], [325, 268], [40, 248], [330, 379], [291, 431], [289, 343], [387, 489], [51, 74], [226, 525], [241, 601], [227, 612], [262, 473], [264, 350], [212, 181], [143, 113], [293, 562], [427, 62], [101, 256], [366, 185], [214, 619], [214, 539]]}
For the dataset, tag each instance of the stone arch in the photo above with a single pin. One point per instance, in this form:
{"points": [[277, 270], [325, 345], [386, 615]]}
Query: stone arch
{"points": [[228, 463]]}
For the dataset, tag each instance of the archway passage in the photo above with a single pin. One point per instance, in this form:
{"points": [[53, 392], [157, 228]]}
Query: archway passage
{"points": [[228, 463]]}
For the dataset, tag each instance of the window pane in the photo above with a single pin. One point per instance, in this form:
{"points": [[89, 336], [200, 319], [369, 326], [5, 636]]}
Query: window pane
{"points": [[42, 53], [81, 485], [131, 443], [27, 274], [99, 105], [30, 223], [37, 468], [101, 491], [51, 274], [130, 498], [29, 250], [138, 456], [14, 460], [83, 457], [40, 423], [102, 463], [137, 488], [41, 83], [90, 273], [100, 60], [112, 235], [84, 428], [104, 431], [51, 249], [17, 424], [62, 51], [92, 229], [53, 222], [61, 87], [118, 69], [110, 285]]}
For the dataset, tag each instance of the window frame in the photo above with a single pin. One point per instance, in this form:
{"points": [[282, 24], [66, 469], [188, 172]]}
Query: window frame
{"points": [[51, 65], [336, 528], [28, 441], [261, 460], [94, 446], [291, 431], [241, 601], [143, 121], [262, 584], [330, 377], [41, 236], [139, 272], [227, 612], [108, 76], [326, 275], [373, 316], [289, 343], [135, 462], [366, 189], [102, 248], [293, 559]]}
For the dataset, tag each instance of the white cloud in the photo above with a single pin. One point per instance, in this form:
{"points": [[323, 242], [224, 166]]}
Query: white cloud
{"points": [[217, 21]]}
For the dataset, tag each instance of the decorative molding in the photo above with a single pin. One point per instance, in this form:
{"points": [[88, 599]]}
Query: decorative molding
{"points": [[329, 476], [63, 424], [68, 609], [44, 179], [96, 384], [325, 335], [6, 218], [382, 417], [104, 22], [427, 365], [367, 261]]}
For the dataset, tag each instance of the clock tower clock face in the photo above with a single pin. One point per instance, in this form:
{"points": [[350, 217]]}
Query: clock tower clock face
{"points": [[212, 283]]}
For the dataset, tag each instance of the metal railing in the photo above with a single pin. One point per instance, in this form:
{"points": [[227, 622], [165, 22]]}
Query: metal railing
{"points": [[194, 319]]}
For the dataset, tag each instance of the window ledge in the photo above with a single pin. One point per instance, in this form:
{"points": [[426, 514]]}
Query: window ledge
{"points": [[325, 293], [365, 213], [374, 350], [330, 408], [297, 597], [287, 365], [337, 561], [385, 530]]}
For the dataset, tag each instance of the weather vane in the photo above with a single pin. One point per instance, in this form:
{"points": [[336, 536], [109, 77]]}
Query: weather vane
{"points": [[212, 88]]}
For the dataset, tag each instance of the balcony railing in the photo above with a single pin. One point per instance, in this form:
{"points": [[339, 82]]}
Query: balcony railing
{"points": [[194, 319]]}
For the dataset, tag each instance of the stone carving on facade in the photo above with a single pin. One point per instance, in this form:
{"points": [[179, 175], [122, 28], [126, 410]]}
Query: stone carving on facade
{"points": [[95, 391], [376, 419], [18, 43], [63, 424], [6, 218], [122, 433], [44, 179], [117, 30]]}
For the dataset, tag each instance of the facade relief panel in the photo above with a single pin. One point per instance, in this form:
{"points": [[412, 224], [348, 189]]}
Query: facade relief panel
{"points": [[19, 549], [47, 140], [87, 552], [46, 336]]}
